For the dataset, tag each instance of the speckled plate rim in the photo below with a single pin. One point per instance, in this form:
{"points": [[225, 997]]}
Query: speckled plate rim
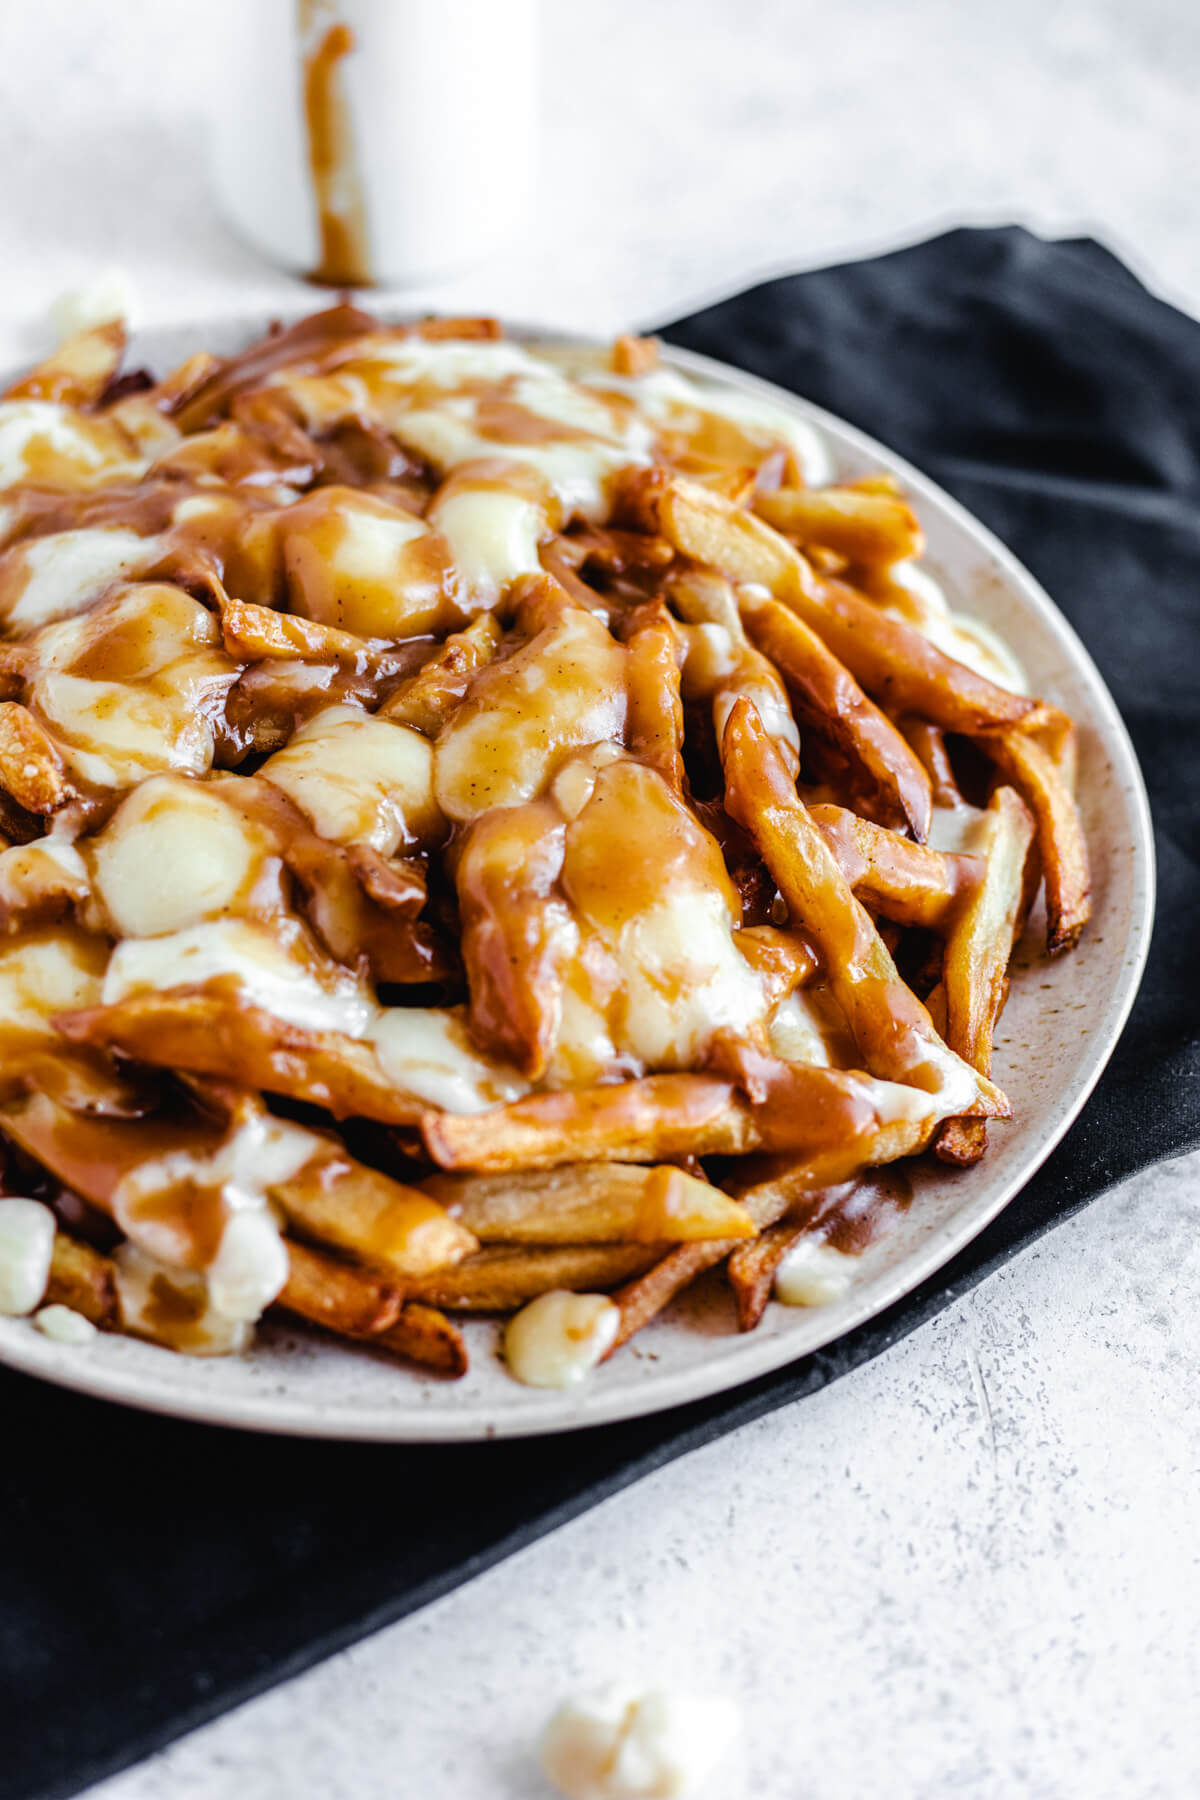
{"points": [[157, 1381]]}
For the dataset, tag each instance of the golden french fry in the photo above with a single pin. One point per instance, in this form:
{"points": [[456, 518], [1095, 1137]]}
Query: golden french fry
{"points": [[427, 698], [903, 881], [751, 1268], [211, 1030], [31, 769], [893, 1030], [353, 1303], [641, 1299], [1043, 786], [929, 743], [634, 355], [590, 1203], [893, 662], [77, 373], [975, 968], [863, 527], [884, 771], [504, 1276], [83, 1279], [655, 722], [253, 633], [359, 1210]]}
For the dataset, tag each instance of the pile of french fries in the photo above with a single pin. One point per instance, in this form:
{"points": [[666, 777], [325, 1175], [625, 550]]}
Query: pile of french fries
{"points": [[765, 685]]}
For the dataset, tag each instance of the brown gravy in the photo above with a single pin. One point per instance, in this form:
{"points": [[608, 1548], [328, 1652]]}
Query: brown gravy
{"points": [[345, 259]]}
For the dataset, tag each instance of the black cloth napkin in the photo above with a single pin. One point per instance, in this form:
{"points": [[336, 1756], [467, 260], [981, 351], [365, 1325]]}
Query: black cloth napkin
{"points": [[154, 1573]]}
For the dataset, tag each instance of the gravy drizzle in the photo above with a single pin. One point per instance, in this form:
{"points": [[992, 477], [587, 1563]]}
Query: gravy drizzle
{"points": [[345, 259]]}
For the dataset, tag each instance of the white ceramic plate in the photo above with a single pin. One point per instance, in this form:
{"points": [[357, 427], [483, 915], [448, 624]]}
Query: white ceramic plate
{"points": [[1058, 1031]]}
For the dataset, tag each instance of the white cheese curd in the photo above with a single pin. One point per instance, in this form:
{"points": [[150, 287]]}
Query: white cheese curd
{"points": [[106, 296], [493, 537], [618, 1744], [53, 577], [684, 978], [171, 1306], [955, 828], [270, 977], [428, 1053], [557, 1339], [807, 1026], [360, 779], [31, 426], [27, 1231], [813, 1273], [47, 973], [173, 854], [250, 1267], [64, 1325]]}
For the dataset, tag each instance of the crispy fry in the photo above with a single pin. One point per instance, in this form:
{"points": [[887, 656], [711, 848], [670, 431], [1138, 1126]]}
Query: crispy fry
{"points": [[884, 771], [641, 1299], [386, 1225], [210, 1030], [598, 1203], [503, 1276], [893, 662], [31, 769], [356, 1304], [85, 1280], [974, 972], [863, 527], [892, 1028], [427, 698], [835, 1120], [77, 373], [255, 633], [751, 1268], [634, 355], [929, 743], [1061, 843], [655, 727], [906, 882]]}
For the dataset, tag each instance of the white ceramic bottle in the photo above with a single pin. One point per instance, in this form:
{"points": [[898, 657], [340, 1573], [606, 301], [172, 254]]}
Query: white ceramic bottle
{"points": [[377, 141]]}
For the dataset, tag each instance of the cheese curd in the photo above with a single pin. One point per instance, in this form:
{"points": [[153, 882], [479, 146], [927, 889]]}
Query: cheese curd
{"points": [[27, 1233], [616, 1743], [557, 1339]]}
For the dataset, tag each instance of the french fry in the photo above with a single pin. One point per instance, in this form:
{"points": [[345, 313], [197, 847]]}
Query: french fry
{"points": [[655, 722], [929, 744], [978, 948], [427, 698], [211, 1030], [884, 771], [353, 1303], [893, 1030], [503, 1276], [751, 1269], [834, 1121], [31, 769], [861, 526], [634, 355], [1043, 786], [598, 1203], [641, 1299], [85, 1280], [893, 662], [253, 633], [352, 1207], [338, 1201], [77, 373], [905, 882]]}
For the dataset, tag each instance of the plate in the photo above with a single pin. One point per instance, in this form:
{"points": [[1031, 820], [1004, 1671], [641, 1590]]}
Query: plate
{"points": [[1058, 1031]]}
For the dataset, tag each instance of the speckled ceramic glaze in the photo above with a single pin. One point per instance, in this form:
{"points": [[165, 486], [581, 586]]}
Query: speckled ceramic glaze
{"points": [[1058, 1031]]}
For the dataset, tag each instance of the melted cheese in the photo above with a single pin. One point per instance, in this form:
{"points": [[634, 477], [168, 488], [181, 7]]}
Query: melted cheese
{"points": [[63, 1325], [967, 640], [524, 716], [174, 853], [171, 1306], [361, 780], [46, 972], [54, 577], [427, 1052], [354, 561], [813, 1274], [27, 1233], [322, 997], [493, 534], [43, 441], [557, 1339]]}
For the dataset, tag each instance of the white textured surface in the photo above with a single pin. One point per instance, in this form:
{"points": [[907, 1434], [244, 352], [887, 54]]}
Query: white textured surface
{"points": [[970, 1568]]}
